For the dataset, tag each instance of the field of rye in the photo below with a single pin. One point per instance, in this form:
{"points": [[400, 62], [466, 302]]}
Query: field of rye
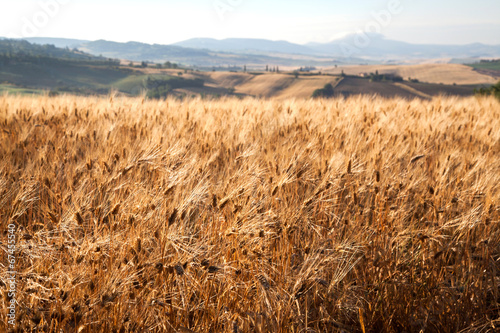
{"points": [[344, 215]]}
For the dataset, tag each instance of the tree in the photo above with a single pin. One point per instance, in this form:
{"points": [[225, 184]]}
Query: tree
{"points": [[491, 91], [160, 88], [328, 89], [325, 92]]}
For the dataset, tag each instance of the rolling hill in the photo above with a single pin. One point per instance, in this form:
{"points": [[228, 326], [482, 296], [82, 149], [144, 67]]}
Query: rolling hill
{"points": [[429, 73], [200, 57], [208, 52], [29, 68], [57, 42], [195, 56]]}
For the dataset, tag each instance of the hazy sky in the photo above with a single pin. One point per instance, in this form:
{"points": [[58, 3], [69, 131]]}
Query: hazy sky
{"points": [[299, 21]]}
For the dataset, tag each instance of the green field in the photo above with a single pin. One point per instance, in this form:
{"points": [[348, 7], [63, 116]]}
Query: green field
{"points": [[491, 65], [10, 89], [73, 77]]}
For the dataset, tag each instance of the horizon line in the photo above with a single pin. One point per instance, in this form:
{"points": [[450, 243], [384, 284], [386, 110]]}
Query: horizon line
{"points": [[373, 35]]}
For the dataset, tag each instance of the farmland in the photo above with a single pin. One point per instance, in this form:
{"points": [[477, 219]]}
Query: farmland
{"points": [[30, 69], [435, 73], [358, 214]]}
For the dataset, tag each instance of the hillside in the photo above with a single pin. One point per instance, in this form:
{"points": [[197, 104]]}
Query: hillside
{"points": [[25, 65], [23, 49], [201, 58], [349, 86], [142, 52], [487, 67], [27, 68], [430, 73], [357, 86], [283, 86], [208, 52]]}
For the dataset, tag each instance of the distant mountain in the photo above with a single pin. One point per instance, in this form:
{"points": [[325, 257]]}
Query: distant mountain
{"points": [[194, 56], [208, 52], [140, 51], [22, 50], [247, 45], [57, 42], [368, 46], [376, 46]]}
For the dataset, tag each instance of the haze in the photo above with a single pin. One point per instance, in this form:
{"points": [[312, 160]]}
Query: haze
{"points": [[165, 22]]}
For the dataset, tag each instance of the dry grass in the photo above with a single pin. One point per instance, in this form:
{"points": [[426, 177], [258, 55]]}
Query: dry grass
{"points": [[346, 215]]}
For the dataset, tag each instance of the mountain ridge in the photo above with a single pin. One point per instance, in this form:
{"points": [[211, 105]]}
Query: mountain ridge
{"points": [[353, 48], [369, 46]]}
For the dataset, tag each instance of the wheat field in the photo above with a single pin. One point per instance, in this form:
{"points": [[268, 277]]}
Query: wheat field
{"points": [[344, 215]]}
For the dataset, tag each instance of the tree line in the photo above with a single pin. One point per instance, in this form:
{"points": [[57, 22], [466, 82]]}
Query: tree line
{"points": [[161, 88], [491, 91]]}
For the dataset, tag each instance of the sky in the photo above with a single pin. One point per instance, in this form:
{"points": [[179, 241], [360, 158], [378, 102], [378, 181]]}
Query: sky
{"points": [[297, 21]]}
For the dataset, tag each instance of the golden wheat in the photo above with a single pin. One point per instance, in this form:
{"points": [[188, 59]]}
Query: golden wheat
{"points": [[358, 214]]}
